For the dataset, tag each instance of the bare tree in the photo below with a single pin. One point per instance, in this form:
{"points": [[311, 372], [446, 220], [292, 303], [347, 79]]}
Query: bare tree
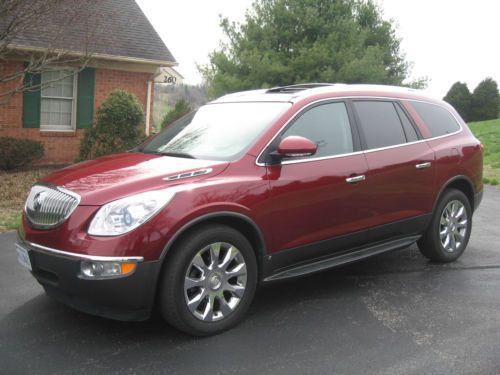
{"points": [[43, 34]]}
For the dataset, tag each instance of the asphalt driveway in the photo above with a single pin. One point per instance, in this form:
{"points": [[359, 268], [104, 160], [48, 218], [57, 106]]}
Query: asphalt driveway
{"points": [[393, 314]]}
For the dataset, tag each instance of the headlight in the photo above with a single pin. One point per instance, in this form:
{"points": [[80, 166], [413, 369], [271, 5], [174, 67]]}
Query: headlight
{"points": [[123, 215]]}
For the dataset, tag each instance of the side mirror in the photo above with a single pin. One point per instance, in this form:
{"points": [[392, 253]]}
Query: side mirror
{"points": [[295, 147]]}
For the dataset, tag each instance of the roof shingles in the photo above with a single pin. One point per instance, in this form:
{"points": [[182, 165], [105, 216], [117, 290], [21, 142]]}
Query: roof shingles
{"points": [[108, 27]]}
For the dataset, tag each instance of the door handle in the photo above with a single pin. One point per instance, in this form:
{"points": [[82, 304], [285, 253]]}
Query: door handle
{"points": [[423, 165], [353, 180]]}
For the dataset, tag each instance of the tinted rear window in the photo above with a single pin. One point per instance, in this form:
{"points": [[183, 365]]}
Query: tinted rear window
{"points": [[380, 123], [438, 119]]}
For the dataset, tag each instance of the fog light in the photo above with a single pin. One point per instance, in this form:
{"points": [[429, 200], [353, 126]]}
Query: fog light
{"points": [[90, 269]]}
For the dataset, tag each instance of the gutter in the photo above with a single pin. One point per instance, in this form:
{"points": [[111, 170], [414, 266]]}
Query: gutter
{"points": [[102, 56], [148, 108]]}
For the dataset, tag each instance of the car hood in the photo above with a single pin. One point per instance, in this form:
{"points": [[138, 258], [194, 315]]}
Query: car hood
{"points": [[115, 176]]}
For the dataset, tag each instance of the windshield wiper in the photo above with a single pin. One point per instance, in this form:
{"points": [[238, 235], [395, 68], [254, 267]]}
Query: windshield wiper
{"points": [[176, 154]]}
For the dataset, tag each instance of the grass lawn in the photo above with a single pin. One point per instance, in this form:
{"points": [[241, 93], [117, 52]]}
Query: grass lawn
{"points": [[14, 188], [489, 134]]}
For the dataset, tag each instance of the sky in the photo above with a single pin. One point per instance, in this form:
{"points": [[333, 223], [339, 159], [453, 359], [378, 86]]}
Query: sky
{"points": [[446, 40]]}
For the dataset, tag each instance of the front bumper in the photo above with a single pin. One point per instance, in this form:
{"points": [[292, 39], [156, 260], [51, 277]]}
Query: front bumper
{"points": [[125, 298]]}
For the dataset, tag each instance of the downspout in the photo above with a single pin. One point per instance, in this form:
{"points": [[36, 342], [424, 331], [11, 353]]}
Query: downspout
{"points": [[148, 108]]}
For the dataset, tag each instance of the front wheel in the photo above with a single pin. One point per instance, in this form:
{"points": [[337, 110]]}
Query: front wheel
{"points": [[449, 232], [209, 281]]}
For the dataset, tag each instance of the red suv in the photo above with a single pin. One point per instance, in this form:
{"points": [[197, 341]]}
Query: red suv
{"points": [[253, 187]]}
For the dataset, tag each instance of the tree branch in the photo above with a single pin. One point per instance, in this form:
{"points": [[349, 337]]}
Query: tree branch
{"points": [[46, 24]]}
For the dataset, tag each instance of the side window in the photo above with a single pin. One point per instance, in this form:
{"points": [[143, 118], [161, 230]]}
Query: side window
{"points": [[438, 119], [411, 134], [380, 123], [328, 126]]}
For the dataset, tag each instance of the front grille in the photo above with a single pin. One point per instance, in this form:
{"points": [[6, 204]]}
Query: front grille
{"points": [[48, 205]]}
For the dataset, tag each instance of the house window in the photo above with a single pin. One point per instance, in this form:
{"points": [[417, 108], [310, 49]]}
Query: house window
{"points": [[58, 100]]}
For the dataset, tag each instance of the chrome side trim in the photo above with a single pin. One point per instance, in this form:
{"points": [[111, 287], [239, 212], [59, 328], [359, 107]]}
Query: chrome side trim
{"points": [[188, 174], [286, 162], [357, 152], [74, 256]]}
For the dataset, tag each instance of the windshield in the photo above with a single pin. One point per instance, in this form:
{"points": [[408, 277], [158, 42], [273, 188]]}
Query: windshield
{"points": [[216, 131]]}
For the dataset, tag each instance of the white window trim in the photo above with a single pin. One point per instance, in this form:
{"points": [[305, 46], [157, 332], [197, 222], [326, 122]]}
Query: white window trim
{"points": [[74, 99]]}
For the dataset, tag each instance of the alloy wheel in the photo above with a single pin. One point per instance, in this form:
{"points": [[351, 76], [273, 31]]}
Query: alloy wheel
{"points": [[215, 281], [453, 226]]}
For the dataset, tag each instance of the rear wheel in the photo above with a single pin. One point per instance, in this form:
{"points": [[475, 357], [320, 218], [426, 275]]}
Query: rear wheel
{"points": [[448, 235], [209, 281]]}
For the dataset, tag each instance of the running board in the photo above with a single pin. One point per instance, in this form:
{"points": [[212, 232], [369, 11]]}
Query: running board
{"points": [[339, 260]]}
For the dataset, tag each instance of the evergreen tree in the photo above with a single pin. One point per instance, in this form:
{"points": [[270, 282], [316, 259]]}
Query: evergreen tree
{"points": [[460, 98], [295, 41], [485, 101], [181, 108]]}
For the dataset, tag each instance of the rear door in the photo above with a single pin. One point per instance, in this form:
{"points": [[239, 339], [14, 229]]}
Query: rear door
{"points": [[400, 176]]}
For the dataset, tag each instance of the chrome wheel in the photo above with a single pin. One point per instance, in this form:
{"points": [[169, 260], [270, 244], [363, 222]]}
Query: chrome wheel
{"points": [[215, 281], [453, 226]]}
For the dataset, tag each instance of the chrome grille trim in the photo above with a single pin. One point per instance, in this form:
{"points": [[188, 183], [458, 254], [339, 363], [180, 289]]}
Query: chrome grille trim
{"points": [[49, 205], [75, 256]]}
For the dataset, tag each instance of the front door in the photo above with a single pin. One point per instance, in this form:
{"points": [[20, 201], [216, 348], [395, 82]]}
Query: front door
{"points": [[317, 198]]}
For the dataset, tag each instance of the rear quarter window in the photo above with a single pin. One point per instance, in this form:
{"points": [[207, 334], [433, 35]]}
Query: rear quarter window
{"points": [[439, 120]]}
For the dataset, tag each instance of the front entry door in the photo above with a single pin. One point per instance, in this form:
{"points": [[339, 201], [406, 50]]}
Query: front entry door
{"points": [[321, 197]]}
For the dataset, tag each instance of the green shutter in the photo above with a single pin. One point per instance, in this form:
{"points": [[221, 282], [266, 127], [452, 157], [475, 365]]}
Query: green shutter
{"points": [[85, 97], [31, 101]]}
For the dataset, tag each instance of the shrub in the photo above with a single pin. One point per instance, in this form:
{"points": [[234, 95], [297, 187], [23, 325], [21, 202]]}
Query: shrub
{"points": [[494, 182], [181, 108], [117, 127], [460, 98], [485, 101], [16, 153]]}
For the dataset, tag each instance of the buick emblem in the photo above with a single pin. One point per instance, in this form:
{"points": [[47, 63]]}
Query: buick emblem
{"points": [[38, 200]]}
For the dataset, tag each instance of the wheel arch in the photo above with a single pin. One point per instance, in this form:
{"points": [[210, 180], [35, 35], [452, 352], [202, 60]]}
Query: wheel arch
{"points": [[245, 225], [461, 183]]}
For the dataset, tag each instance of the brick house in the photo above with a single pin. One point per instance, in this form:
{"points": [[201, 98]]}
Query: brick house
{"points": [[128, 56]]}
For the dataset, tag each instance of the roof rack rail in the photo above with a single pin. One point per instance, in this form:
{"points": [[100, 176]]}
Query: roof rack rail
{"points": [[298, 87]]}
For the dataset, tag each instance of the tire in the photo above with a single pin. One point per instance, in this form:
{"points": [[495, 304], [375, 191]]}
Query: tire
{"points": [[219, 292], [448, 234]]}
